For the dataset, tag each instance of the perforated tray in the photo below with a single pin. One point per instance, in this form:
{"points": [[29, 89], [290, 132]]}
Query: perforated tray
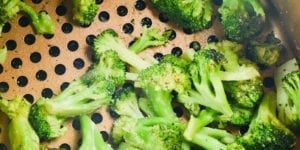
{"points": [[43, 65]]}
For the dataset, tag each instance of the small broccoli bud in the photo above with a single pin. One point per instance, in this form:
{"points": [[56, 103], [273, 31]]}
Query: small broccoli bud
{"points": [[267, 53], [84, 11], [242, 19], [194, 15], [91, 139], [21, 134], [3, 54]]}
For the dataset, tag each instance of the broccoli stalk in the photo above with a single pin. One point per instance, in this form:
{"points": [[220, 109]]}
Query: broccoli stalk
{"points": [[84, 11], [287, 80], [265, 130], [41, 22], [242, 19], [83, 96], [205, 71], [193, 14], [3, 54], [91, 138], [21, 134], [150, 37]]}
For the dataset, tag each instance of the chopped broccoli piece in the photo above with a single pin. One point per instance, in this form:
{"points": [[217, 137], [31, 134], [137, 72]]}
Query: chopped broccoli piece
{"points": [[91, 138], [240, 117], [41, 21], [84, 11], [158, 82], [205, 71], [150, 37], [109, 40], [266, 53], [242, 19], [265, 130], [21, 134], [177, 61], [287, 80], [3, 54], [192, 14], [84, 95]]}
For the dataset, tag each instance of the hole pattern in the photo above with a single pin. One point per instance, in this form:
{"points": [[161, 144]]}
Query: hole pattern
{"points": [[44, 65]]}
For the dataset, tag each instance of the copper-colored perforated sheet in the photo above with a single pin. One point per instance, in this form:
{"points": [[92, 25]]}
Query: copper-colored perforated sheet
{"points": [[48, 63]]}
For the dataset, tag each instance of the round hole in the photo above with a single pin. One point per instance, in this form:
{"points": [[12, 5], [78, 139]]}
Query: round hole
{"points": [[73, 45], [67, 28], [212, 39], [76, 123], [140, 5], [16, 63], [6, 28], [90, 39], [60, 69], [24, 21], [41, 75], [103, 16], [78, 63], [146, 22], [65, 146], [22, 81], [4, 87], [35, 57], [105, 135], [36, 1], [61, 10], [173, 35], [11, 44], [176, 51], [122, 11], [99, 2], [97, 118], [163, 18], [1, 69], [158, 56], [29, 98], [187, 31], [54, 51], [128, 28], [47, 93], [195, 45], [29, 39], [48, 36], [64, 85]]}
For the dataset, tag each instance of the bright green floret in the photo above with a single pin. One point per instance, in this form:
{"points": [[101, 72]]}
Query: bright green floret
{"points": [[3, 54], [265, 130], [158, 82], [84, 11], [240, 117], [150, 37], [266, 53], [242, 19], [83, 96], [205, 71], [21, 134], [195, 15], [41, 21], [91, 138]]}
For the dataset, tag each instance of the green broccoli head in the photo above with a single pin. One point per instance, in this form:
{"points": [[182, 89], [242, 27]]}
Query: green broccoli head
{"points": [[91, 138], [265, 130], [193, 14], [158, 82], [266, 53], [241, 116], [150, 37], [242, 19], [122, 127], [244, 93], [125, 102], [81, 97], [177, 61], [21, 134], [205, 71], [84, 11], [109, 40]]}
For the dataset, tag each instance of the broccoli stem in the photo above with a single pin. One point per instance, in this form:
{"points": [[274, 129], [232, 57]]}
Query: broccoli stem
{"points": [[196, 123], [138, 46], [208, 142], [3, 54], [161, 102], [223, 135]]}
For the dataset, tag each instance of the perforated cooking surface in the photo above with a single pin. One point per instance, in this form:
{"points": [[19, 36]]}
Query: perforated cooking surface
{"points": [[43, 65]]}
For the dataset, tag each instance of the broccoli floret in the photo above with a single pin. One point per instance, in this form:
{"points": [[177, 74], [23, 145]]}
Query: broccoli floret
{"points": [[287, 80], [21, 134], [84, 95], [109, 40], [244, 93], [41, 21], [265, 130], [205, 71], [84, 11], [150, 37], [266, 53], [177, 61], [91, 138], [242, 19], [3, 54], [193, 14], [240, 117], [158, 82]]}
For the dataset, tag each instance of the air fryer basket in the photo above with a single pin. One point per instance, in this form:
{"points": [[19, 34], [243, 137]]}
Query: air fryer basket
{"points": [[43, 65]]}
